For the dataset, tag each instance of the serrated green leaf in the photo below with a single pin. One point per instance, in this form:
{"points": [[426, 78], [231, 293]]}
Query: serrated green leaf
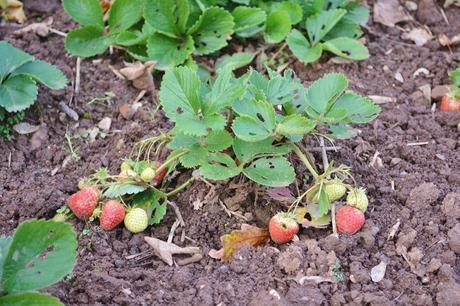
{"points": [[249, 129], [138, 52], [344, 28], [120, 189], [248, 20], [358, 109], [183, 141], [320, 24], [129, 38], [325, 90], [246, 151], [347, 48], [261, 111], [218, 141], [168, 17], [87, 41], [179, 92], [18, 93], [219, 166], [334, 4], [85, 12], [169, 52], [455, 76], [300, 46], [294, 126], [11, 58], [225, 90], [293, 10], [312, 7], [196, 156], [159, 213], [324, 203], [342, 131], [41, 253], [356, 13], [235, 61], [212, 30], [4, 246], [271, 171], [30, 298], [123, 14], [277, 27], [44, 73]]}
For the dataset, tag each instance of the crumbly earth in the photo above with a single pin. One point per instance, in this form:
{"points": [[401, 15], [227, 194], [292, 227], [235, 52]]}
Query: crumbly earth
{"points": [[416, 184]]}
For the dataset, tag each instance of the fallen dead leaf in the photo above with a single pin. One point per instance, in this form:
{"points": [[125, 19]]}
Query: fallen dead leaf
{"points": [[389, 12], [315, 279], [14, 10], [448, 3], [140, 74], [282, 194], [40, 28], [165, 250], [444, 40], [419, 36], [300, 213], [248, 235]]}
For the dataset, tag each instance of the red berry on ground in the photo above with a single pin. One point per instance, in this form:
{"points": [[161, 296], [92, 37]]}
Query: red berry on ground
{"points": [[112, 214], [83, 202], [449, 104], [282, 228], [349, 220]]}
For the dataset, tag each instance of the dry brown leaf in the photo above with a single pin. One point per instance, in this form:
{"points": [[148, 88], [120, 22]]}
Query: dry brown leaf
{"points": [[140, 74], [24, 128], [14, 10], [248, 235], [419, 36], [300, 213], [40, 28], [165, 250], [105, 5], [389, 12]]}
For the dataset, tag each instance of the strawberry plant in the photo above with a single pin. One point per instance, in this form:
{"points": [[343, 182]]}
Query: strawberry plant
{"points": [[451, 101], [39, 254], [19, 75]]}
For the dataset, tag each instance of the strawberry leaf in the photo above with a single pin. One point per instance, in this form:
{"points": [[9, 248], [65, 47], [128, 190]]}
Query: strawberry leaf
{"points": [[220, 166], [325, 91], [196, 156], [277, 27], [312, 7], [319, 25], [246, 151], [247, 236], [250, 129], [235, 61], [12, 58], [455, 76], [169, 51], [248, 20], [271, 171], [120, 189], [347, 48], [358, 109], [356, 13], [262, 113], [18, 93], [218, 141], [294, 126], [43, 73], [324, 203], [293, 10], [168, 17], [85, 12], [182, 141], [344, 28], [123, 14], [87, 41], [300, 46], [212, 30], [29, 298]]}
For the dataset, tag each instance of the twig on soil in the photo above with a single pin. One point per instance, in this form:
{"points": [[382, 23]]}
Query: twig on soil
{"points": [[190, 239], [194, 258], [77, 76], [443, 13], [412, 144], [9, 160], [177, 212], [117, 73], [57, 32], [230, 213], [320, 149], [394, 229], [165, 250], [325, 166], [173, 231]]}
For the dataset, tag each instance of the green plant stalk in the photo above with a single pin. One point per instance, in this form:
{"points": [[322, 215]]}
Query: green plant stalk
{"points": [[304, 159], [179, 188]]}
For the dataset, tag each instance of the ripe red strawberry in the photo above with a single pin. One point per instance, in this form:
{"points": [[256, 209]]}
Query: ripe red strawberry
{"points": [[112, 214], [282, 228], [159, 176], [349, 220], [83, 202]]}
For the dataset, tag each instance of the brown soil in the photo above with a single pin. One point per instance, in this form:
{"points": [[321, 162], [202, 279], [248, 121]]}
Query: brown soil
{"points": [[416, 185]]}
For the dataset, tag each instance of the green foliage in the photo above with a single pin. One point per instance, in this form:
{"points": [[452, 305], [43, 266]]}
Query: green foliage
{"points": [[256, 116], [38, 255], [7, 121], [171, 32], [454, 89], [19, 75]]}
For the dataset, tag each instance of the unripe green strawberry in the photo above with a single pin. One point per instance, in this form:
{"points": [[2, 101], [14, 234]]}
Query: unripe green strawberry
{"points": [[136, 220], [357, 198], [335, 190], [125, 166], [147, 175], [60, 217], [128, 173]]}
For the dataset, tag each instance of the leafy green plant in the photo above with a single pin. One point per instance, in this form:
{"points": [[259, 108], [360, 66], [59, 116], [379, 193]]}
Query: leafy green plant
{"points": [[7, 121], [247, 125], [19, 75], [39, 254], [454, 89]]}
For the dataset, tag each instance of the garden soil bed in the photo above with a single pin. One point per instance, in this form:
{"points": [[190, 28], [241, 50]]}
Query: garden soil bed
{"points": [[413, 185]]}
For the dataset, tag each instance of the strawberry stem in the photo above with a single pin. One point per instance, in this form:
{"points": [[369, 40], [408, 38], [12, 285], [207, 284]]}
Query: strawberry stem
{"points": [[304, 159], [180, 187]]}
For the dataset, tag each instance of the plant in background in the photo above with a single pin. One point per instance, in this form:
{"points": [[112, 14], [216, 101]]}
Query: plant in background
{"points": [[19, 75], [247, 125], [451, 101], [39, 254]]}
